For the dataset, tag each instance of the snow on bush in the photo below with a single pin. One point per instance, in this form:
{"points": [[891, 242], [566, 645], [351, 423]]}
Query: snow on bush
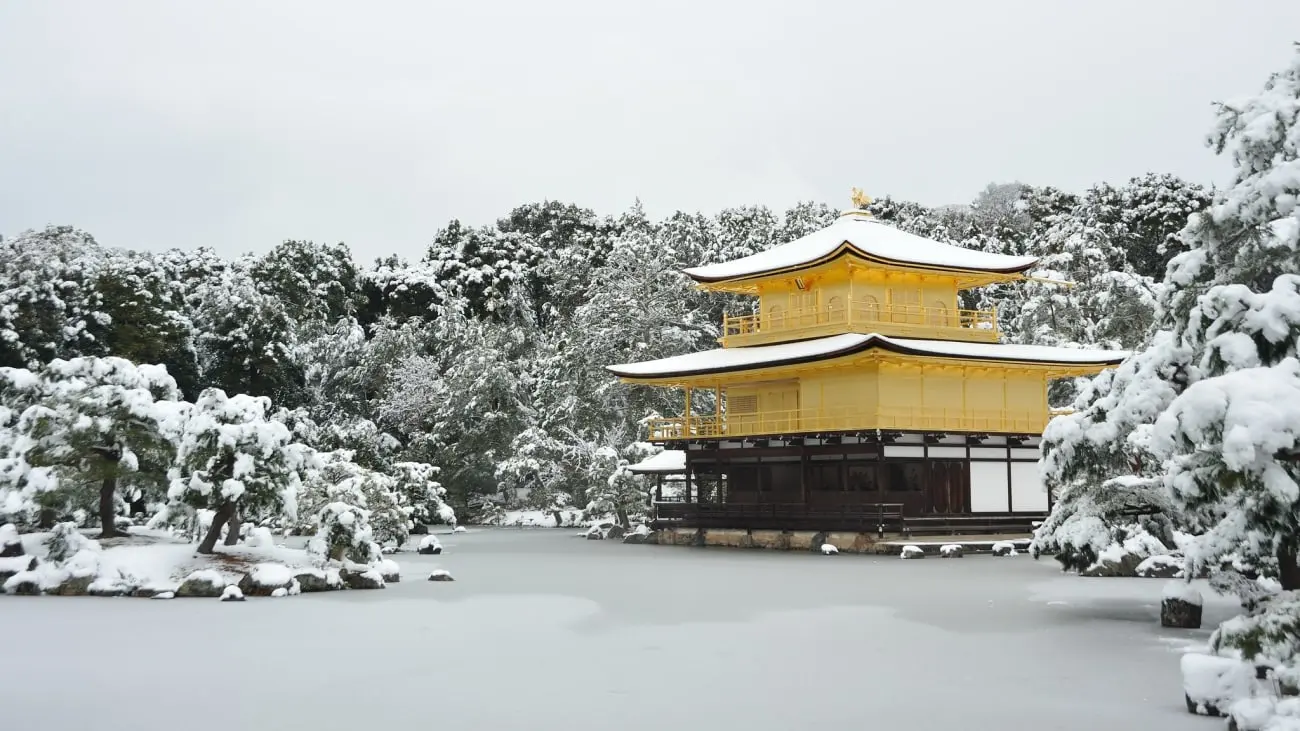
{"points": [[66, 540], [260, 538]]}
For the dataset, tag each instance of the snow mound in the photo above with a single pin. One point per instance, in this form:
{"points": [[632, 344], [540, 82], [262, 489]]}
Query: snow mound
{"points": [[164, 595], [10, 543], [460, 529], [1004, 548], [390, 570], [209, 576], [951, 550], [270, 574], [232, 594], [440, 575], [280, 592], [829, 549], [1182, 591], [1213, 683], [911, 552], [260, 538]]}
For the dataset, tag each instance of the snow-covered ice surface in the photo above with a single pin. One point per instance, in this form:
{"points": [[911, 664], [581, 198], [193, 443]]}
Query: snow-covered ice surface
{"points": [[780, 640]]}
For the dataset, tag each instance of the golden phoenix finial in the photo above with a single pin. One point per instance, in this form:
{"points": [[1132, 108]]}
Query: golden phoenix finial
{"points": [[860, 199]]}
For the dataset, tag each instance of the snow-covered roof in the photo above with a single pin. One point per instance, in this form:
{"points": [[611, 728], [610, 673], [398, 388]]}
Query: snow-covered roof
{"points": [[869, 239], [669, 460], [724, 360]]}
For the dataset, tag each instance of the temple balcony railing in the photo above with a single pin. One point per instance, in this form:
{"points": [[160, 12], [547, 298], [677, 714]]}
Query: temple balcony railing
{"points": [[857, 315], [823, 421]]}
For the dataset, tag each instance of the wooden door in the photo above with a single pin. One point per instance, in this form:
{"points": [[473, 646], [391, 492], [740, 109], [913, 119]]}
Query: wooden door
{"points": [[948, 489]]}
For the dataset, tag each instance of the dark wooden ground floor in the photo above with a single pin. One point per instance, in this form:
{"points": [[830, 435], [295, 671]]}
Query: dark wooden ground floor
{"points": [[904, 483]]}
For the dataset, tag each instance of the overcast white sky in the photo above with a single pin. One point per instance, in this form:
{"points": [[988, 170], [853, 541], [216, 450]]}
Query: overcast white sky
{"points": [[236, 125]]}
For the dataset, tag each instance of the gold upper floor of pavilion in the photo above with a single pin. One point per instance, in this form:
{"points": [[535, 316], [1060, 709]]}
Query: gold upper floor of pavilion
{"points": [[860, 275]]}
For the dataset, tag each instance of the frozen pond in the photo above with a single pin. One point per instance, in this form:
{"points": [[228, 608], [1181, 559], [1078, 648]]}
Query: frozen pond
{"points": [[543, 630]]}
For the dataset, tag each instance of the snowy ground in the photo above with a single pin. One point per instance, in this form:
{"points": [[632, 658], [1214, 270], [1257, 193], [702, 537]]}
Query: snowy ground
{"points": [[543, 630]]}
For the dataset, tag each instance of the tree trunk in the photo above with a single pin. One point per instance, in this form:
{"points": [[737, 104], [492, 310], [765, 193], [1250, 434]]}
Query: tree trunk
{"points": [[622, 518], [1288, 572], [107, 509], [47, 518], [232, 528], [223, 515]]}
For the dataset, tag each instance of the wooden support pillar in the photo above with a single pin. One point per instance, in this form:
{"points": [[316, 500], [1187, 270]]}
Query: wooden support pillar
{"points": [[659, 488], [717, 409], [803, 475], [686, 423], [688, 478]]}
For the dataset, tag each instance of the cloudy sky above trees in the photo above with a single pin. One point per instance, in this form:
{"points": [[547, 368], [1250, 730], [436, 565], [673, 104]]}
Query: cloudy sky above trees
{"points": [[160, 124]]}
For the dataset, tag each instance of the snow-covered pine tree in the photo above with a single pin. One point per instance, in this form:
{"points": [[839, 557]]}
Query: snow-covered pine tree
{"points": [[233, 459], [46, 303], [102, 422], [1190, 419]]}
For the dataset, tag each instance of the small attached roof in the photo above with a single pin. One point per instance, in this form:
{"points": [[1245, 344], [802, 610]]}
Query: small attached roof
{"points": [[669, 461], [725, 360], [856, 232]]}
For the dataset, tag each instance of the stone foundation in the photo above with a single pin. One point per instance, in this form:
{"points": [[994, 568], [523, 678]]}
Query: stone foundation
{"points": [[846, 542]]}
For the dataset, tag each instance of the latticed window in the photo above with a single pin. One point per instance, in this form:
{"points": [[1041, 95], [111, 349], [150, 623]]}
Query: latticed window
{"points": [[835, 309], [743, 404], [937, 315]]}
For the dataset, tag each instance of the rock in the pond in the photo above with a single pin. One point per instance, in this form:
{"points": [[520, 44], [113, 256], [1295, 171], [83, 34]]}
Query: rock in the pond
{"points": [[596, 532], [109, 586], [419, 529], [640, 534], [23, 583], [1004, 548], [11, 544], [391, 572], [829, 549], [73, 586], [233, 594], [615, 532], [1180, 606], [265, 578], [204, 583], [388, 550], [15, 565], [951, 550], [1160, 567], [164, 595], [1211, 683], [429, 546], [358, 579], [280, 592], [460, 529], [1121, 564], [912, 552], [441, 575], [312, 580]]}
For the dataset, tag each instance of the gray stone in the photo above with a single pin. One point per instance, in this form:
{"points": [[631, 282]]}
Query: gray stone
{"points": [[73, 586], [595, 535], [313, 582], [252, 588], [1177, 613], [1003, 549], [637, 537], [10, 550], [954, 552], [420, 529], [200, 588], [5, 574], [615, 531], [26, 587], [1109, 567], [918, 553], [146, 592], [1159, 569], [360, 580], [113, 590], [433, 550], [440, 576]]}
